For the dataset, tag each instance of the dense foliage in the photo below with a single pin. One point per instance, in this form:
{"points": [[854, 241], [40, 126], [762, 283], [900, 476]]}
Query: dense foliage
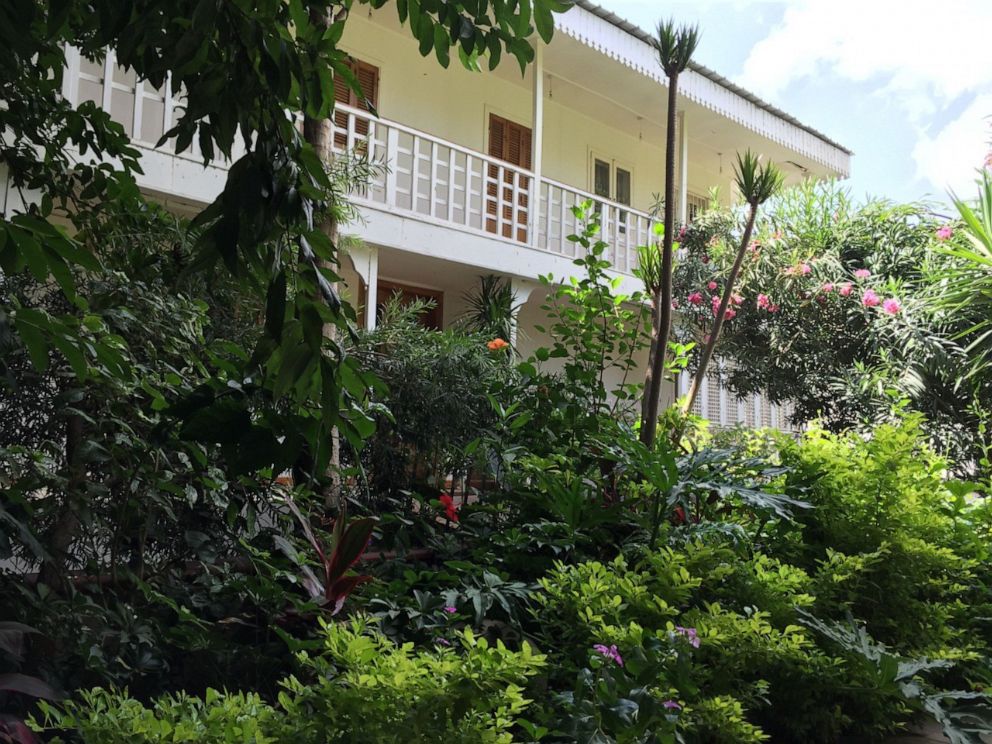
{"points": [[504, 559], [833, 314]]}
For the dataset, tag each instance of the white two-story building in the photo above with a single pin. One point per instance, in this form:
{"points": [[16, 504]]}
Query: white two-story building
{"points": [[481, 169]]}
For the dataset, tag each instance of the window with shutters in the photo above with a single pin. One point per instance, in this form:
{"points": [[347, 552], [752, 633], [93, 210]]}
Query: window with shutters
{"points": [[368, 80], [613, 180], [512, 143]]}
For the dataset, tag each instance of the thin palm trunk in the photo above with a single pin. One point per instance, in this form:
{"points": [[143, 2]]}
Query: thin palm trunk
{"points": [[319, 133], [728, 291], [662, 310]]}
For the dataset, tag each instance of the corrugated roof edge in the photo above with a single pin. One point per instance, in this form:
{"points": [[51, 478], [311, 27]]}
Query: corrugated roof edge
{"points": [[639, 33]]}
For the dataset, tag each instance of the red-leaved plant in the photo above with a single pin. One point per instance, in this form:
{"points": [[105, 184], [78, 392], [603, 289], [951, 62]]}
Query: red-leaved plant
{"points": [[349, 539], [12, 729]]}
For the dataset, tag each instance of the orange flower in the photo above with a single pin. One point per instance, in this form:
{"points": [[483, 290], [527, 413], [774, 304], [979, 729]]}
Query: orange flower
{"points": [[496, 344]]}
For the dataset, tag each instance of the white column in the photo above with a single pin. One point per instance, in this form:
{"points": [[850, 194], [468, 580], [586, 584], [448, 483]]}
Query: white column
{"points": [[365, 259], [371, 289], [521, 289], [537, 141], [683, 184]]}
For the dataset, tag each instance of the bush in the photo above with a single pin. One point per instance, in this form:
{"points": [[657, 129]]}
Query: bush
{"points": [[888, 539], [360, 688]]}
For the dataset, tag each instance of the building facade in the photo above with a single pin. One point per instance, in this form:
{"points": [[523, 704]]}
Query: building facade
{"points": [[476, 172]]}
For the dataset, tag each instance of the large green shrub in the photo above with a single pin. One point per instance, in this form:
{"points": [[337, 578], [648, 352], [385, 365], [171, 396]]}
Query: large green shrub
{"points": [[889, 539], [359, 688]]}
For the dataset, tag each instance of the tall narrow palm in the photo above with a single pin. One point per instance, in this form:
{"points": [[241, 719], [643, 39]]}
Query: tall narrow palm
{"points": [[757, 184], [675, 48]]}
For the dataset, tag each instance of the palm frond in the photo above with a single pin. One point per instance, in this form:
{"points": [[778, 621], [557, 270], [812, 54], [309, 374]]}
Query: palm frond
{"points": [[676, 45]]}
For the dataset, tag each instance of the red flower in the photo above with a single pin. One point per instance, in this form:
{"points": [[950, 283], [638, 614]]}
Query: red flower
{"points": [[449, 507]]}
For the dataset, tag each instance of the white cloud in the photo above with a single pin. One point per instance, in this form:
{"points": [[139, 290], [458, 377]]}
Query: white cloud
{"points": [[949, 158], [913, 47], [922, 55]]}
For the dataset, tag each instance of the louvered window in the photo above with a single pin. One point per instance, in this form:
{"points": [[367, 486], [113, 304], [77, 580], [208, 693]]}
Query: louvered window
{"points": [[510, 142], [368, 80]]}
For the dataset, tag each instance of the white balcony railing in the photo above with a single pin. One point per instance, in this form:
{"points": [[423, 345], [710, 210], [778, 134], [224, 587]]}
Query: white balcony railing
{"points": [[421, 175]]}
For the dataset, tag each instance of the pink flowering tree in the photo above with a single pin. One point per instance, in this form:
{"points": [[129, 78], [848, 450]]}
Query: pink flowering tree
{"points": [[831, 311], [757, 184]]}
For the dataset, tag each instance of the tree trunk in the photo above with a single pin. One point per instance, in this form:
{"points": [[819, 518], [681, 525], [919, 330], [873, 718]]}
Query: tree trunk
{"points": [[319, 133], [707, 355], [655, 374], [54, 571]]}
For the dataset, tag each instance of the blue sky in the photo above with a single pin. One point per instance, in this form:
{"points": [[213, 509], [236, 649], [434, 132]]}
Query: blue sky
{"points": [[905, 84]]}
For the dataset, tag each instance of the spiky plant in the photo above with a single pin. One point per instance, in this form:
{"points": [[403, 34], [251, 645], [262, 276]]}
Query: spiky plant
{"points": [[675, 45], [964, 289], [757, 184], [490, 308]]}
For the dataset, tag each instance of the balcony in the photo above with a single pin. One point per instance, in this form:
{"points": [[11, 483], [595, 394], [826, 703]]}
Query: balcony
{"points": [[432, 179], [422, 176]]}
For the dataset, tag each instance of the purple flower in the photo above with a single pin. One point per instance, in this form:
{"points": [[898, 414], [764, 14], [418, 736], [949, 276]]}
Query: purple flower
{"points": [[610, 652], [671, 705], [451, 610], [689, 634], [444, 641]]}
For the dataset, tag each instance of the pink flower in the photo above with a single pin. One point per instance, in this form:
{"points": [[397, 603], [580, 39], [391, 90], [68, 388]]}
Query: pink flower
{"points": [[805, 268], [736, 299], [773, 308], [845, 289], [671, 705], [945, 232], [862, 274], [451, 610], [763, 302], [682, 233], [696, 298], [689, 634], [711, 286], [730, 313], [891, 306], [675, 304], [827, 287], [610, 652], [869, 298], [988, 160]]}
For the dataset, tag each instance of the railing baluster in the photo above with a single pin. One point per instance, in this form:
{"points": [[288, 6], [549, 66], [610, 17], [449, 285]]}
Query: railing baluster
{"points": [[500, 219], [451, 184], [469, 171], [392, 164], [432, 176], [108, 80], [515, 209]]}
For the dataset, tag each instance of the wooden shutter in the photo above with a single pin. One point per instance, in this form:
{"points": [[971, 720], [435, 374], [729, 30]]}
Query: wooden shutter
{"points": [[512, 143], [368, 81]]}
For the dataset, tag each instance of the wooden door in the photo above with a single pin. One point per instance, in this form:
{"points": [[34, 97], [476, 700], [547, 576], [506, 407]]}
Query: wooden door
{"points": [[368, 80], [510, 142]]}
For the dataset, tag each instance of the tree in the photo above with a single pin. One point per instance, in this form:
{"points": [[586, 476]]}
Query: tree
{"points": [[756, 184], [244, 71], [675, 49], [835, 314]]}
